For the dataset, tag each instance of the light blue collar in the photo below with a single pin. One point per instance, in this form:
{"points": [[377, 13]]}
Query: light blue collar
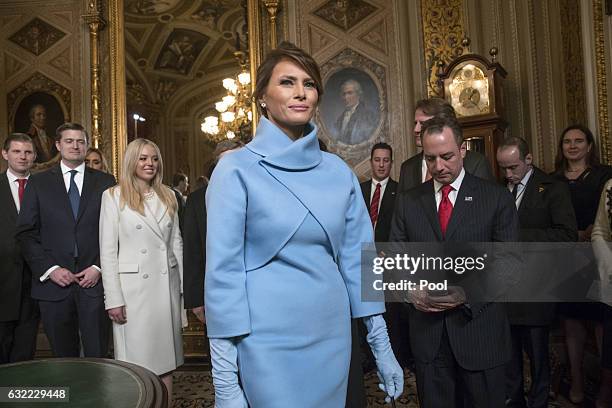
{"points": [[280, 151]]}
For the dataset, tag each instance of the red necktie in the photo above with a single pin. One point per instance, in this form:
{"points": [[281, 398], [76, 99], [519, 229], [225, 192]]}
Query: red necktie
{"points": [[374, 205], [22, 183], [446, 208]]}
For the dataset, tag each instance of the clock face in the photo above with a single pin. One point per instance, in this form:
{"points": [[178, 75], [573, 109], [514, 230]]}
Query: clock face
{"points": [[469, 91]]}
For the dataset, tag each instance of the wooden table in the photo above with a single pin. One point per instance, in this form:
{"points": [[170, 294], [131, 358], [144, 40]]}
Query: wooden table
{"points": [[93, 382]]}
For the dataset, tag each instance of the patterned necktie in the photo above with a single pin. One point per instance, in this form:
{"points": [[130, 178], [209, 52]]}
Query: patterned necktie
{"points": [[374, 205], [446, 208], [22, 183], [73, 194]]}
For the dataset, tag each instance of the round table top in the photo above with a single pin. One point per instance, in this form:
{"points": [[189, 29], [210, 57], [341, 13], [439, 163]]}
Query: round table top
{"points": [[92, 382]]}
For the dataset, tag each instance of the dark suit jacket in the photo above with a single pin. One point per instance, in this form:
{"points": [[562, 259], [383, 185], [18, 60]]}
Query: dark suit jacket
{"points": [[411, 174], [14, 272], [479, 335], [194, 248], [385, 212], [47, 230], [545, 214]]}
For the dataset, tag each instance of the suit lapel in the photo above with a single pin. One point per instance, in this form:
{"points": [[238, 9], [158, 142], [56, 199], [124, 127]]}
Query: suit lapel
{"points": [[367, 192], [428, 201], [388, 197], [530, 191], [150, 221], [6, 196], [88, 187], [462, 204], [59, 191], [417, 174]]}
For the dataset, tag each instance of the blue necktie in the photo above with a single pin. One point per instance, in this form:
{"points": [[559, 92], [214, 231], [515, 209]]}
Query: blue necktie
{"points": [[73, 194], [75, 198]]}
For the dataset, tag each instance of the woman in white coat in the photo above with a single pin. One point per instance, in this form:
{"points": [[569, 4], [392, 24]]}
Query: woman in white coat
{"points": [[141, 258]]}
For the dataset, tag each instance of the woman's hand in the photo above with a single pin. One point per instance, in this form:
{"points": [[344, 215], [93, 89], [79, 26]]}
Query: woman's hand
{"points": [[117, 315]]}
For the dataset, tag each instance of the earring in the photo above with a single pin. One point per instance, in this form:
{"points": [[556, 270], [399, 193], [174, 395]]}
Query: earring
{"points": [[263, 104]]}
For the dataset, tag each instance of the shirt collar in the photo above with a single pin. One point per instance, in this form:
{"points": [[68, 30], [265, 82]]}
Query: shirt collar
{"points": [[382, 183], [456, 185], [12, 177], [65, 169]]}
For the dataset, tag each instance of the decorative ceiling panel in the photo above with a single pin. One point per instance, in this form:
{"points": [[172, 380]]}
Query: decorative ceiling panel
{"points": [[37, 36], [319, 40], [63, 61], [12, 65], [377, 37], [180, 51], [345, 14]]}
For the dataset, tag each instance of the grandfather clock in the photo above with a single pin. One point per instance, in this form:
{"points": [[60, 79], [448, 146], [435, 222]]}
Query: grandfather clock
{"points": [[473, 86]]}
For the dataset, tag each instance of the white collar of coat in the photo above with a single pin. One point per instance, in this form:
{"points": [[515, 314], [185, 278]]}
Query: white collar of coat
{"points": [[280, 151]]}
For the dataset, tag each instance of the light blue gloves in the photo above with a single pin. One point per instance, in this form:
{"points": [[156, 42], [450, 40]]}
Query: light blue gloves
{"points": [[224, 357], [389, 371]]}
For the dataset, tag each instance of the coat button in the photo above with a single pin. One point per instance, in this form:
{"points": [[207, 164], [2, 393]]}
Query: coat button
{"points": [[145, 276], [143, 251], [169, 225], [164, 271], [138, 226]]}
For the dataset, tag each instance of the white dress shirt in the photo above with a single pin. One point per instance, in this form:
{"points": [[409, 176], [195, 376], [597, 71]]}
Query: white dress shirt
{"points": [[520, 190], [383, 186], [452, 196], [78, 178], [14, 185]]}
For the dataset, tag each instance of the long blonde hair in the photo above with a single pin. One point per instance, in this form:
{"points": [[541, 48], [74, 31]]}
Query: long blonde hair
{"points": [[130, 193]]}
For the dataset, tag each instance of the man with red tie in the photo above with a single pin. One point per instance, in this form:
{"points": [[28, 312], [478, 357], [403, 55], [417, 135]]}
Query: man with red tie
{"points": [[379, 192], [379, 195], [460, 345], [19, 313]]}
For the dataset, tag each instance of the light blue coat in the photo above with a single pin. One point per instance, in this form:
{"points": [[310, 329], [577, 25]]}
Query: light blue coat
{"points": [[285, 227]]}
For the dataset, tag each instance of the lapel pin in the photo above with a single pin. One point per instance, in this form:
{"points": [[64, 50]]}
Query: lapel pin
{"points": [[540, 189], [468, 198]]}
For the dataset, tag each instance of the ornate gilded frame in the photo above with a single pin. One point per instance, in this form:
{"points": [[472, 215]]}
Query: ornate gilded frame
{"points": [[260, 13]]}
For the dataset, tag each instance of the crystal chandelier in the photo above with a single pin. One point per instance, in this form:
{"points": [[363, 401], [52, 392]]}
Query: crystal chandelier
{"points": [[234, 109]]}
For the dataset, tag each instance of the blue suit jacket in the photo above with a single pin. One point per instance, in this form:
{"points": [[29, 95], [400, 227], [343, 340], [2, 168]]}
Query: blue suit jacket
{"points": [[257, 199]]}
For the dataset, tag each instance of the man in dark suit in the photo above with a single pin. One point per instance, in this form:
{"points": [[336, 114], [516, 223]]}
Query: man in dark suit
{"points": [[545, 215], [380, 206], [460, 348], [194, 252], [381, 209], [58, 234], [414, 170], [19, 314]]}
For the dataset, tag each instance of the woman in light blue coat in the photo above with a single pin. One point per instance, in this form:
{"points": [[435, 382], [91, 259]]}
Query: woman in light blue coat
{"points": [[285, 227]]}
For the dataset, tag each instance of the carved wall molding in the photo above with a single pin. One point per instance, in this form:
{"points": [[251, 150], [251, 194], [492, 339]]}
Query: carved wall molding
{"points": [[602, 85], [96, 23], [341, 36], [443, 31], [37, 83], [573, 61], [41, 43]]}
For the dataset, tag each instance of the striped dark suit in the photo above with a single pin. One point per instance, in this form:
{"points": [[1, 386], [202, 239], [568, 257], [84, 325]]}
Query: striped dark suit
{"points": [[467, 345]]}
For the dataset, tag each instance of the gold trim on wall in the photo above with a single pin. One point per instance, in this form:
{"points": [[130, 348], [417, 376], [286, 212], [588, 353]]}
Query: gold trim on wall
{"points": [[117, 84], [602, 92], [442, 34], [96, 24]]}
